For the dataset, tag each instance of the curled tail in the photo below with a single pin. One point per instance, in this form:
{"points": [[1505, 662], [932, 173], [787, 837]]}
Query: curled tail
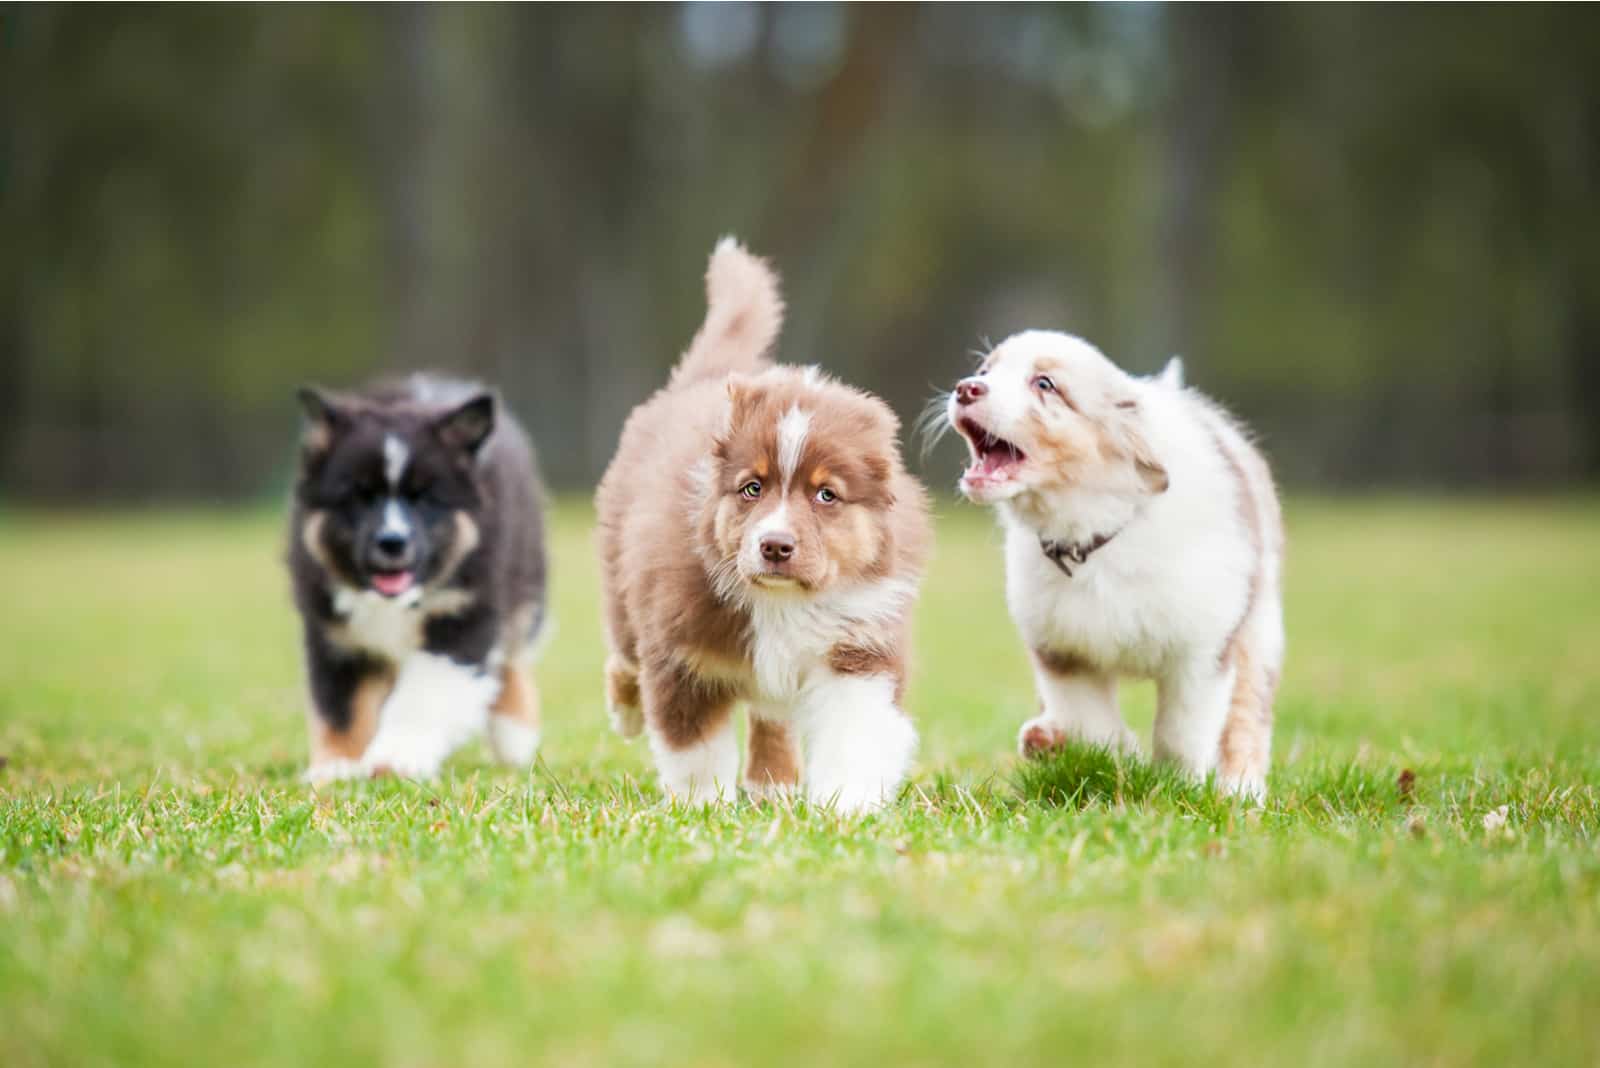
{"points": [[743, 314]]}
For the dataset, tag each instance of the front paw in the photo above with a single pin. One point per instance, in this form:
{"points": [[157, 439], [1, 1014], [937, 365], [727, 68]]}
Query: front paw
{"points": [[1040, 737], [403, 756], [333, 770]]}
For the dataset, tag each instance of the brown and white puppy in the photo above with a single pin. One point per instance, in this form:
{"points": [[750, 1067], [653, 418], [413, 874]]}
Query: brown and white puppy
{"points": [[760, 541], [417, 557], [1143, 538]]}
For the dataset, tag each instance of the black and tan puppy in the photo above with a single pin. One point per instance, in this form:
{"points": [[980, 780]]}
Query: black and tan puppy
{"points": [[417, 555]]}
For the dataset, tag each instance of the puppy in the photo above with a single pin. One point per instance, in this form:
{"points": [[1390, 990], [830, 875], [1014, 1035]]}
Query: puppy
{"points": [[1142, 538], [760, 541], [417, 558]]}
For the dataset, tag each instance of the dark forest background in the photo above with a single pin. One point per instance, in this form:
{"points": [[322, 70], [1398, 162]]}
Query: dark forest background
{"points": [[1373, 231]]}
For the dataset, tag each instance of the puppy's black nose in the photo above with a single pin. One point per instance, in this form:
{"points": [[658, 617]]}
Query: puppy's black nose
{"points": [[777, 547], [969, 390], [392, 546]]}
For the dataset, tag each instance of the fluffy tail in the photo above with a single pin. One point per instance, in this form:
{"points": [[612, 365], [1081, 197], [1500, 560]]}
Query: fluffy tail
{"points": [[743, 314]]}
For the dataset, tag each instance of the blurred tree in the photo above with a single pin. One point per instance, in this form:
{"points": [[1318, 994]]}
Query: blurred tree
{"points": [[1374, 231]]}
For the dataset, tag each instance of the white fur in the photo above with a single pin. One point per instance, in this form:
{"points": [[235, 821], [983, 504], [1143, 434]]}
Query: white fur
{"points": [[1190, 714], [513, 742], [333, 770], [391, 627], [1083, 708], [774, 522], [436, 706], [1163, 597], [387, 626], [1171, 375], [395, 458], [703, 773], [394, 519], [792, 431], [858, 745], [791, 634]]}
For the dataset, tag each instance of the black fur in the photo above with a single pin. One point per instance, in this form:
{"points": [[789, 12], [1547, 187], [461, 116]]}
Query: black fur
{"points": [[465, 457]]}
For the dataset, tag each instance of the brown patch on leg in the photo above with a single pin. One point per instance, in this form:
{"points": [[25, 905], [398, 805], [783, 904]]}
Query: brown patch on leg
{"points": [[332, 743], [683, 707], [1062, 662], [622, 697], [514, 718], [518, 699], [1246, 749], [845, 659], [773, 764]]}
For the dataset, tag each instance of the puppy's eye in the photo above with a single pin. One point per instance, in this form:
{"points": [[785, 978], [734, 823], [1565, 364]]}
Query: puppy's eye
{"points": [[826, 496], [750, 490], [1043, 384]]}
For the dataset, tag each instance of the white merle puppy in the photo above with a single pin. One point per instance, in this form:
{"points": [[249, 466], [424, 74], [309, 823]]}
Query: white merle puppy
{"points": [[1143, 538]]}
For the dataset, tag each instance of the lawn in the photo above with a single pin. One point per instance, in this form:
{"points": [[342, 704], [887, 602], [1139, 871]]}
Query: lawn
{"points": [[1423, 885]]}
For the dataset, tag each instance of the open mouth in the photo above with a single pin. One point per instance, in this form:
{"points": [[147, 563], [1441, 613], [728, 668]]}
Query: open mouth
{"points": [[994, 459], [392, 583]]}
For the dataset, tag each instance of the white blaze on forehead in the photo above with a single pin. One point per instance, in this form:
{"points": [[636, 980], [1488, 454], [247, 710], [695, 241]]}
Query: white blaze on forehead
{"points": [[792, 431], [395, 458]]}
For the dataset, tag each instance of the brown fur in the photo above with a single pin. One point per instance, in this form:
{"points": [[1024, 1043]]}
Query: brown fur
{"points": [[330, 743], [1062, 662], [518, 699], [1042, 738], [660, 605], [1246, 746], [773, 762], [622, 683], [681, 705], [671, 517]]}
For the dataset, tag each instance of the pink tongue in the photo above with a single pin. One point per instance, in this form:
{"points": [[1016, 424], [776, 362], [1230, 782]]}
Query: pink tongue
{"points": [[393, 583], [995, 461]]}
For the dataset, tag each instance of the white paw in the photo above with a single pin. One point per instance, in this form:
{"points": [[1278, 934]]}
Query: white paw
{"points": [[1247, 787], [1042, 735], [513, 742], [324, 771], [403, 754]]}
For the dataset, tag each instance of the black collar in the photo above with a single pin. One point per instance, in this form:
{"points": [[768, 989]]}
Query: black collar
{"points": [[1077, 552]]}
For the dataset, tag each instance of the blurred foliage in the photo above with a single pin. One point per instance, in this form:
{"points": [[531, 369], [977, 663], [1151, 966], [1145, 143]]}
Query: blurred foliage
{"points": [[1373, 231]]}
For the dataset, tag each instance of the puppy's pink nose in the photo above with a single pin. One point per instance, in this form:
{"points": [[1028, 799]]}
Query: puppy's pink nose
{"points": [[777, 547], [969, 390]]}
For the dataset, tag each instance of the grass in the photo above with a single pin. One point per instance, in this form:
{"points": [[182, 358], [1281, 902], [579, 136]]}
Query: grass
{"points": [[169, 893]]}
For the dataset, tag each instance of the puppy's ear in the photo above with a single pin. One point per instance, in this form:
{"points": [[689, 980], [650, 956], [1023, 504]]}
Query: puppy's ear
{"points": [[880, 474], [742, 396], [326, 417], [1127, 439], [467, 426]]}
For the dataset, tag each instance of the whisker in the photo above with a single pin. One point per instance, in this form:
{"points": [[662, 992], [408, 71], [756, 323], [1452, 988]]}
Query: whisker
{"points": [[931, 426]]}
